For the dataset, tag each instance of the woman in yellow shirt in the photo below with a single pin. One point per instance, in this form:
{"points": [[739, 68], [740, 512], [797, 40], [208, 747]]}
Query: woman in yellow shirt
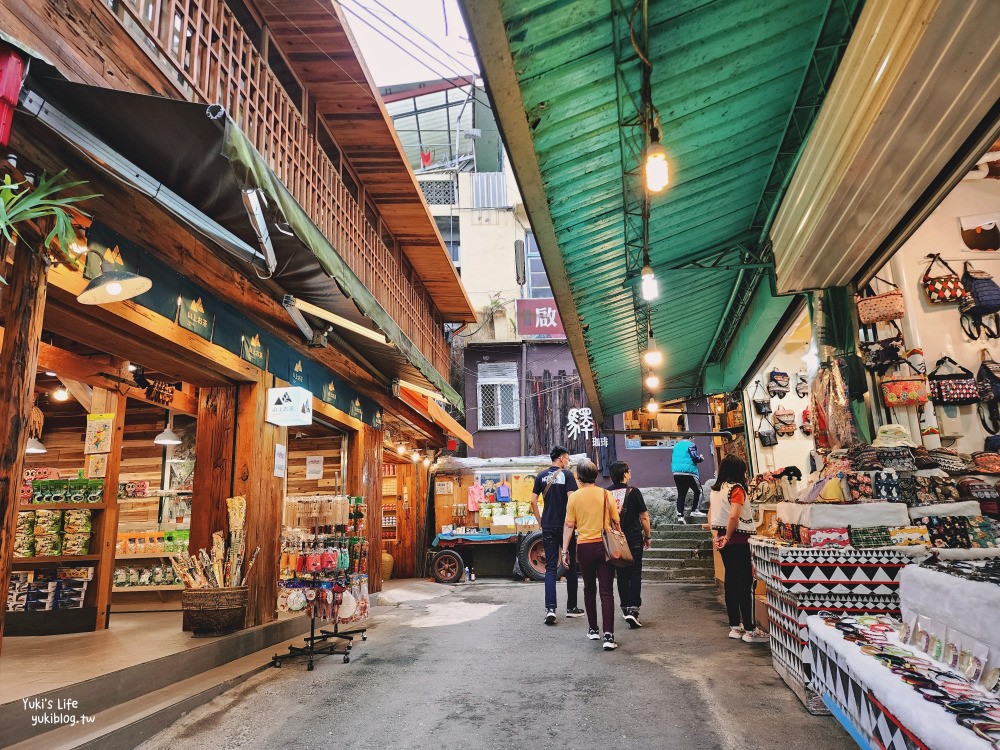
{"points": [[586, 512]]}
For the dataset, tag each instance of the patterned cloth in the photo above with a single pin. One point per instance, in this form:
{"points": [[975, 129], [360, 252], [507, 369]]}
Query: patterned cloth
{"points": [[948, 531], [859, 487], [869, 536], [886, 486], [908, 536], [832, 537], [981, 533]]}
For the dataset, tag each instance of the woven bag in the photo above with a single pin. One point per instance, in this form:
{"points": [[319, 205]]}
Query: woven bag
{"points": [[904, 390], [874, 307], [954, 389], [945, 288]]}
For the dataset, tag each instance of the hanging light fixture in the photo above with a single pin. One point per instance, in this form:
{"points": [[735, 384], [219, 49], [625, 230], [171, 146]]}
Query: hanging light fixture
{"points": [[655, 167], [650, 286], [60, 394], [427, 460], [35, 446], [167, 437], [652, 406], [113, 285], [401, 449], [653, 356], [416, 456], [652, 381]]}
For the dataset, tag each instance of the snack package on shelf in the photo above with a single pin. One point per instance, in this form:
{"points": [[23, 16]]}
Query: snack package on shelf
{"points": [[48, 522], [25, 522], [48, 545], [76, 544], [77, 521]]}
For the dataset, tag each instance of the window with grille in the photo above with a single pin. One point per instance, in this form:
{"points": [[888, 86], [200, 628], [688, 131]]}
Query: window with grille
{"points": [[498, 396], [439, 192]]}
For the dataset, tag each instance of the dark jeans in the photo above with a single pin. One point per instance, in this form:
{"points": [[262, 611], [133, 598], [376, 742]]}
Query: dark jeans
{"points": [[597, 572], [552, 539], [630, 580], [739, 584], [685, 482]]}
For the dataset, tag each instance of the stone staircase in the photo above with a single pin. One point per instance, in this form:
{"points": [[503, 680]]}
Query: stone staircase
{"points": [[679, 552]]}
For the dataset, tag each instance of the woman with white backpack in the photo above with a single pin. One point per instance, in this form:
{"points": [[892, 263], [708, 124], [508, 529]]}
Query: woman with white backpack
{"points": [[732, 522]]}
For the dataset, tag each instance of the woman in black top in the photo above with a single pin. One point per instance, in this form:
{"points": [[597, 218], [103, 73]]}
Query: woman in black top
{"points": [[635, 525]]}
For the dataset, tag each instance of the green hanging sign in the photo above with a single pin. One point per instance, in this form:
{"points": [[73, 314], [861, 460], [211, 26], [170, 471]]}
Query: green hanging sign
{"points": [[253, 351], [192, 313], [329, 393]]}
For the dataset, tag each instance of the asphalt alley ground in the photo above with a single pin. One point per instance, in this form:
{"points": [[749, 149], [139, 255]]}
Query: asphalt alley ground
{"points": [[472, 666]]}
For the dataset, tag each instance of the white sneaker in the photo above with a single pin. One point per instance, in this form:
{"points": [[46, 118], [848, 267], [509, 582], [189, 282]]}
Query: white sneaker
{"points": [[698, 514], [609, 642], [737, 632], [757, 636]]}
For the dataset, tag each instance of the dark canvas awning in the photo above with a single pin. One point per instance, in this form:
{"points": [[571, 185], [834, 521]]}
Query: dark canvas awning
{"points": [[196, 152]]}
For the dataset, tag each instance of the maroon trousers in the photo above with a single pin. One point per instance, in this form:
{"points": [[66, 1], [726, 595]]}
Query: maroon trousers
{"points": [[596, 573]]}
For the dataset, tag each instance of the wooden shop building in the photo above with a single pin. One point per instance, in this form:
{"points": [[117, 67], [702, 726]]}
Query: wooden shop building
{"points": [[246, 170]]}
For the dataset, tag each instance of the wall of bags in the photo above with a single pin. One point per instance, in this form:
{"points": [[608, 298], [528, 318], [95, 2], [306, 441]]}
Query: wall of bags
{"points": [[936, 328]]}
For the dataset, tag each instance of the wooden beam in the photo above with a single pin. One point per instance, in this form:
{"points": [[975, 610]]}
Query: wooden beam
{"points": [[81, 392], [213, 464], [89, 370], [23, 305], [364, 477]]}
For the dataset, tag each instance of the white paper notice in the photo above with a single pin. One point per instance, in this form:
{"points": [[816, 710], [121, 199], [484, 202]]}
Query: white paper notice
{"points": [[314, 467], [280, 460]]}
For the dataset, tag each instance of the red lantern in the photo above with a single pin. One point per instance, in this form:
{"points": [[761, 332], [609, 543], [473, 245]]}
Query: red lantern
{"points": [[11, 75], [452, 444]]}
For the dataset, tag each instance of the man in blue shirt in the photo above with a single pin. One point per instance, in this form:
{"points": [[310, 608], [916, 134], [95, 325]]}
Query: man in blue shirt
{"points": [[553, 485]]}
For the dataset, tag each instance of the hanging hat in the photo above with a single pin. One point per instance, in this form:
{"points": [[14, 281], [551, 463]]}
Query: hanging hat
{"points": [[893, 436]]}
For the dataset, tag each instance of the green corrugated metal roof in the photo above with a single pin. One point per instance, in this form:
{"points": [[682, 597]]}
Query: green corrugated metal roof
{"points": [[727, 78]]}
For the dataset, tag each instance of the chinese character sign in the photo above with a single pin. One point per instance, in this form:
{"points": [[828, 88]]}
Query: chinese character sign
{"points": [[600, 442], [579, 421], [537, 317]]}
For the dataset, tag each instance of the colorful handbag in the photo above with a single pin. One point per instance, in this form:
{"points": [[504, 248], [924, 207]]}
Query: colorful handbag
{"points": [[986, 462], [909, 536], [904, 390], [946, 490], [982, 295], [868, 537], [879, 308], [784, 421], [942, 289], [951, 461], [988, 378], [880, 356], [806, 426], [955, 389], [777, 383], [976, 489], [899, 458]]}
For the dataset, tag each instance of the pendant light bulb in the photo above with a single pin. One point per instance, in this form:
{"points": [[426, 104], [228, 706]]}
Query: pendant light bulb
{"points": [[167, 437], [653, 356], [401, 449], [416, 456], [650, 286], [427, 461], [655, 167], [60, 394], [652, 407], [652, 382]]}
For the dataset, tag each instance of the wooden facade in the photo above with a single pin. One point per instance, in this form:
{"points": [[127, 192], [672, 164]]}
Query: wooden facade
{"points": [[355, 186]]}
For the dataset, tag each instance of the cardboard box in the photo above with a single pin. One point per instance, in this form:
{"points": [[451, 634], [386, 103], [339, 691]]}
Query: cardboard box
{"points": [[526, 527], [503, 529]]}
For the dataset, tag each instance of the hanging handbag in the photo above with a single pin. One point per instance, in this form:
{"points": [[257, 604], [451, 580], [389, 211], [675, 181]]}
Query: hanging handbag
{"points": [[616, 550], [992, 444], [806, 426], [904, 390], [801, 384], [767, 437], [942, 289], [760, 405], [784, 422], [988, 378], [878, 308], [982, 293], [880, 355], [986, 462], [777, 383], [956, 389]]}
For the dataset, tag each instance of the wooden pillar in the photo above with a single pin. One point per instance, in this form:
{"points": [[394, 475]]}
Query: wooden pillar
{"points": [[106, 523], [364, 477], [213, 465], [23, 306], [265, 494]]}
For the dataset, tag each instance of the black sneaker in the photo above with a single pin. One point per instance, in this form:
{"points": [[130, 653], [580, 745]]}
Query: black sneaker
{"points": [[609, 642], [594, 634], [550, 617], [632, 618], [575, 612]]}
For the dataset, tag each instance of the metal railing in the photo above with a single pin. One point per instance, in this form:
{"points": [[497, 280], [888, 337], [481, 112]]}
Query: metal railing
{"points": [[215, 61]]}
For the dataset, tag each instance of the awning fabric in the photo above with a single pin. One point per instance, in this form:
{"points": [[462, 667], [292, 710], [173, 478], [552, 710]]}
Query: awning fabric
{"points": [[199, 153]]}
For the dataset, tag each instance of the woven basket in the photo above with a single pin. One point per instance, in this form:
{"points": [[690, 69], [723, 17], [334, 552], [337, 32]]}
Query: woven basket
{"points": [[212, 612]]}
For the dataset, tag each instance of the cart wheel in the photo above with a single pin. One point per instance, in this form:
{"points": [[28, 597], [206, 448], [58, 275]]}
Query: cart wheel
{"points": [[309, 667], [447, 566], [347, 659], [531, 555], [277, 664]]}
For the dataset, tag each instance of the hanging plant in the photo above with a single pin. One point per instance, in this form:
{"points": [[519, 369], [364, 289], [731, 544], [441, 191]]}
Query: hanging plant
{"points": [[22, 202]]}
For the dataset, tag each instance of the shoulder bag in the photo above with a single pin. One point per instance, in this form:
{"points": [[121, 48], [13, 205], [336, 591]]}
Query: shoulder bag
{"points": [[777, 383], [760, 405], [784, 422], [942, 289], [879, 308], [955, 389], [616, 549], [801, 384], [982, 292], [879, 355], [767, 437], [904, 390]]}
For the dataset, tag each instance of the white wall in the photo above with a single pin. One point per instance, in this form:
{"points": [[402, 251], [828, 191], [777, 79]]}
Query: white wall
{"points": [[936, 328], [791, 450]]}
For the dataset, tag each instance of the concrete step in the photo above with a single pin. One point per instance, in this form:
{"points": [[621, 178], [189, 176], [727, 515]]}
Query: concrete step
{"points": [[681, 526], [674, 564], [669, 553], [695, 575], [673, 543]]}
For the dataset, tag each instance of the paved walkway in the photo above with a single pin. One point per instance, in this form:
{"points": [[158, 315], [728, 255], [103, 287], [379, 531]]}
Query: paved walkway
{"points": [[472, 666]]}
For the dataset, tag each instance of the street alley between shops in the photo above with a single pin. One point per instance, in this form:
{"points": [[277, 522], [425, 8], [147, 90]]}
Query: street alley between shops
{"points": [[472, 666]]}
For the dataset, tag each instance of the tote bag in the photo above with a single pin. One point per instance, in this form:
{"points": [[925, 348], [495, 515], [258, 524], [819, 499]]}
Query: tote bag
{"points": [[616, 549]]}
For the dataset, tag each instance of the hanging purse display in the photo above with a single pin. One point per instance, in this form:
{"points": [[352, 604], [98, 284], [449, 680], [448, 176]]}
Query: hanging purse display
{"points": [[880, 355], [767, 437], [801, 384], [981, 301], [874, 307], [904, 390], [777, 383], [784, 422], [942, 289], [955, 389], [806, 426], [761, 405]]}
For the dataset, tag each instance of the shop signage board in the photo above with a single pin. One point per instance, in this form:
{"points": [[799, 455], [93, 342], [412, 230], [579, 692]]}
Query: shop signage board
{"points": [[98, 435], [280, 460], [579, 421], [289, 407], [253, 351], [444, 488], [538, 317], [314, 467]]}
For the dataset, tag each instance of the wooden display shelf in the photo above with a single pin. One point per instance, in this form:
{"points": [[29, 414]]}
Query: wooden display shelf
{"points": [[61, 506], [55, 559], [146, 555], [129, 589]]}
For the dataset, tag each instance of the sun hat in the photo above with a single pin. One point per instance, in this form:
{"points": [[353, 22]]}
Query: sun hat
{"points": [[893, 436]]}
